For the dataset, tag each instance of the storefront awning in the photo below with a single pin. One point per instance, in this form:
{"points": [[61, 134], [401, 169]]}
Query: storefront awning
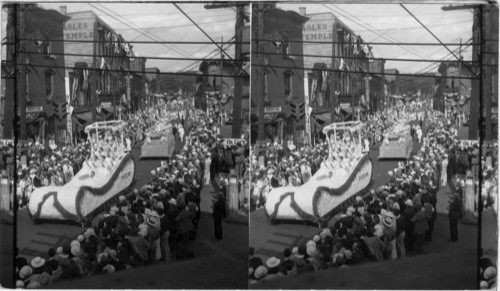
{"points": [[356, 108], [324, 117], [85, 117], [111, 108], [34, 117]]}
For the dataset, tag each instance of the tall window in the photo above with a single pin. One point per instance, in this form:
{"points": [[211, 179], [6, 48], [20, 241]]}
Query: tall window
{"points": [[286, 49], [288, 86], [46, 47], [49, 85]]}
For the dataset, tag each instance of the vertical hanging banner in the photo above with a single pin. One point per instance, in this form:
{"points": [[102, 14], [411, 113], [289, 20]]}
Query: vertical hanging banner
{"points": [[129, 90], [69, 127], [308, 120]]}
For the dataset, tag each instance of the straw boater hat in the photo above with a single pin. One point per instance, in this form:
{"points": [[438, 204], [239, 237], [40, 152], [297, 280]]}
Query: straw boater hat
{"points": [[260, 272], [273, 262], [312, 251], [37, 262], [76, 250]]}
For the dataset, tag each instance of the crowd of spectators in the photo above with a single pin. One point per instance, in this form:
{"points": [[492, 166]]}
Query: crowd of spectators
{"points": [[146, 226], [389, 223], [43, 166]]}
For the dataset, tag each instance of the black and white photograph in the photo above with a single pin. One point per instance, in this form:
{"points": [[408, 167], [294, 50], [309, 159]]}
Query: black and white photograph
{"points": [[340, 145], [370, 127], [130, 149]]}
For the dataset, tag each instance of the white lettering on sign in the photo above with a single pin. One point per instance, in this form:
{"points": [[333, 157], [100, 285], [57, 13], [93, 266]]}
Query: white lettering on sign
{"points": [[79, 30], [318, 30]]}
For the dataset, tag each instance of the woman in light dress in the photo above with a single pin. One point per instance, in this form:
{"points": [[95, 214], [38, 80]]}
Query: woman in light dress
{"points": [[444, 172]]}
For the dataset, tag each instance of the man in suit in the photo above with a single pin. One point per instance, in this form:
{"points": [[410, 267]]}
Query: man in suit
{"points": [[219, 212], [454, 214]]}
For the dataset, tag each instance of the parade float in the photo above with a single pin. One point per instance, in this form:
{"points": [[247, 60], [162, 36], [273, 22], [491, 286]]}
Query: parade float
{"points": [[345, 173], [397, 142], [106, 173], [160, 140]]}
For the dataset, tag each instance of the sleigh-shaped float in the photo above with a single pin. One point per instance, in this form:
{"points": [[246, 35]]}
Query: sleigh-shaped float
{"points": [[106, 173], [336, 181]]}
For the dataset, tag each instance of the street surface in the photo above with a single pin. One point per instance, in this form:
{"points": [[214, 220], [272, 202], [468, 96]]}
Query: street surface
{"points": [[35, 240], [270, 240], [7, 255]]}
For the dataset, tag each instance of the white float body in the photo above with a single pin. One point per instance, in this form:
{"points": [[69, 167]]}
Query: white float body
{"points": [[81, 196], [319, 196]]}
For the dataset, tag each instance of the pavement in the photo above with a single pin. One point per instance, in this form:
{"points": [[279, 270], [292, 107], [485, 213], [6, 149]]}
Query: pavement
{"points": [[7, 255], [214, 260], [444, 265], [489, 234]]}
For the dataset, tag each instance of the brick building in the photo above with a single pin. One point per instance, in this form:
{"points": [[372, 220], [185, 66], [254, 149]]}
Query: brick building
{"points": [[283, 82]]}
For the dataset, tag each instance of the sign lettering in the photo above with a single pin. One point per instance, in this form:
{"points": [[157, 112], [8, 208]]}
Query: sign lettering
{"points": [[79, 29]]}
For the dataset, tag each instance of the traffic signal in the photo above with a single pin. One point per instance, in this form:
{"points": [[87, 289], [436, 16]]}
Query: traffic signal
{"points": [[60, 109], [297, 110]]}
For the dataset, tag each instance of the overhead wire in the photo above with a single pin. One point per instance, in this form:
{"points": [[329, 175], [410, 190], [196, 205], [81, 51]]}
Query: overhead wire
{"points": [[149, 35], [447, 48], [208, 36], [130, 71], [412, 51]]}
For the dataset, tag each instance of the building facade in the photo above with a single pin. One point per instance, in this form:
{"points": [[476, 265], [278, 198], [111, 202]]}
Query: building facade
{"points": [[42, 113], [392, 80], [336, 62], [137, 85], [218, 85], [456, 91], [377, 89], [98, 74], [153, 78], [283, 75]]}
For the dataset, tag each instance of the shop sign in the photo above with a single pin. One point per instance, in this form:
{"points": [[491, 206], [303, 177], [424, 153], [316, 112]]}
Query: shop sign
{"points": [[34, 109], [315, 30], [268, 110], [79, 29]]}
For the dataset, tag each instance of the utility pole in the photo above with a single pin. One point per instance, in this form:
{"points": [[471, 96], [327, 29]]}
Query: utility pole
{"points": [[221, 65], [10, 106], [261, 81], [21, 83], [93, 89], [460, 69], [238, 82], [333, 73], [476, 113], [488, 88]]}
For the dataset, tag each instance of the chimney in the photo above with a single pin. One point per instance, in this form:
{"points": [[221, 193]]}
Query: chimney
{"points": [[63, 9], [302, 11]]}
